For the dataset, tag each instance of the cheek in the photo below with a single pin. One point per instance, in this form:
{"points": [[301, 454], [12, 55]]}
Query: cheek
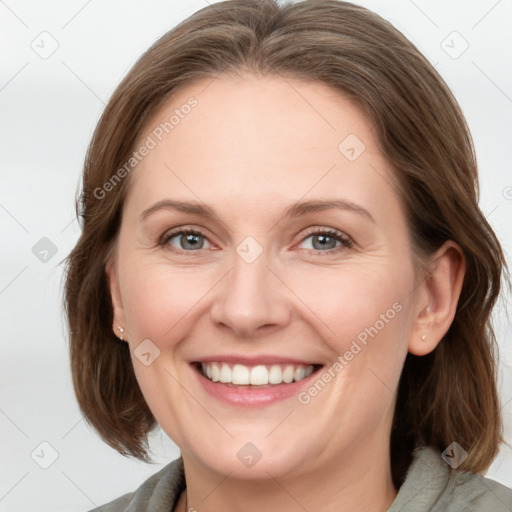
{"points": [[363, 316], [161, 298], [343, 303], [353, 303]]}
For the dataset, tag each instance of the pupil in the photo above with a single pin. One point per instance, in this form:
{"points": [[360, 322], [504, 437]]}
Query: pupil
{"points": [[190, 240], [323, 239]]}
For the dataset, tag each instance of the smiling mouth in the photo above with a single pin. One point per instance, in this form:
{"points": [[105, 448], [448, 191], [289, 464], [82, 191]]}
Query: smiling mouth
{"points": [[255, 376]]}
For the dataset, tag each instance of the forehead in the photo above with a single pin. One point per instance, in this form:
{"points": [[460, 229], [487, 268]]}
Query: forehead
{"points": [[261, 139]]}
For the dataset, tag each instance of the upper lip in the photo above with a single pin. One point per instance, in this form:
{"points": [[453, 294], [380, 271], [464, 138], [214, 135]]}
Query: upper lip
{"points": [[253, 360]]}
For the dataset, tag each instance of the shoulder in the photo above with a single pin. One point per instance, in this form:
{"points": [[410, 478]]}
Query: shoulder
{"points": [[477, 493], [159, 492], [431, 485]]}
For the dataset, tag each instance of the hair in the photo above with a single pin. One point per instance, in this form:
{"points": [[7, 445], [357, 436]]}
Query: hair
{"points": [[447, 395]]}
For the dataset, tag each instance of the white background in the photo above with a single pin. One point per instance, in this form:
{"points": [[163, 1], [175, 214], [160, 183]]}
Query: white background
{"points": [[49, 110]]}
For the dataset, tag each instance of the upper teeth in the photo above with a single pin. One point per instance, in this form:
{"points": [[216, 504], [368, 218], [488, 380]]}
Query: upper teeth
{"points": [[257, 375]]}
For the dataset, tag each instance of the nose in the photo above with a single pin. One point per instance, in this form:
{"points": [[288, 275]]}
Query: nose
{"points": [[252, 300]]}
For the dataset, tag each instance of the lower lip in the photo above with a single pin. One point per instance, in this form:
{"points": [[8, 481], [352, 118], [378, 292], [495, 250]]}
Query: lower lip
{"points": [[247, 396]]}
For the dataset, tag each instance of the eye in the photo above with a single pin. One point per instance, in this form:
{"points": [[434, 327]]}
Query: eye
{"points": [[325, 240], [188, 240]]}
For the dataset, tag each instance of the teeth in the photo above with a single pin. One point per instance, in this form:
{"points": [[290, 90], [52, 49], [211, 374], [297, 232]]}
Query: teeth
{"points": [[215, 373], [275, 376], [225, 373], [260, 375], [288, 374], [240, 374], [299, 374]]}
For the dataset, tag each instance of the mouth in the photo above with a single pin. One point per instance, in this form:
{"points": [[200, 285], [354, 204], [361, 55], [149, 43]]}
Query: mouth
{"points": [[258, 376], [253, 381]]}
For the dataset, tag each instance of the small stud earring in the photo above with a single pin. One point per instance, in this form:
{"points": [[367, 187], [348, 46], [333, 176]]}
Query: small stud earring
{"points": [[428, 310], [424, 338], [121, 330]]}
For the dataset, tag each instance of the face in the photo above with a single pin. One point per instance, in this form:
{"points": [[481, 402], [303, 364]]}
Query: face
{"points": [[269, 282]]}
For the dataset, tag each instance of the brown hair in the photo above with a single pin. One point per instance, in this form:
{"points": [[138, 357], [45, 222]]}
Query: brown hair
{"points": [[447, 395]]}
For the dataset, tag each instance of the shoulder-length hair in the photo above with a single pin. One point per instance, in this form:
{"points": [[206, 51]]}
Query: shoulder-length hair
{"points": [[447, 395]]}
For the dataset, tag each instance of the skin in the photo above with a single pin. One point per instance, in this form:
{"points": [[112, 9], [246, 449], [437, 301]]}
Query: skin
{"points": [[252, 147]]}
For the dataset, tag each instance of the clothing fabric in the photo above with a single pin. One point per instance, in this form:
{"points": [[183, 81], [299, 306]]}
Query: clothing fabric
{"points": [[430, 485]]}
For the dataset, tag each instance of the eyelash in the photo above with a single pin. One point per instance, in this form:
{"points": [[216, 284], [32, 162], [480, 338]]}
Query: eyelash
{"points": [[346, 241]]}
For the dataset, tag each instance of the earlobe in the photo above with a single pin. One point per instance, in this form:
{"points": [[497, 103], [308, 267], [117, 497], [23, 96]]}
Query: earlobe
{"points": [[442, 286], [117, 304]]}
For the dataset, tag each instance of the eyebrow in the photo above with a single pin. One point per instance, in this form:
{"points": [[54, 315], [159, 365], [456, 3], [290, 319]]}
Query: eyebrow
{"points": [[295, 210]]}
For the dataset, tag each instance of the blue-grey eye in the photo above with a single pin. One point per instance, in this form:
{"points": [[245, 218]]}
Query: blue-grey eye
{"points": [[186, 240], [324, 241]]}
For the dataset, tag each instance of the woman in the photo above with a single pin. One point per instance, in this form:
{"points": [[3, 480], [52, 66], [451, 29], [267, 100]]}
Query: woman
{"points": [[284, 265]]}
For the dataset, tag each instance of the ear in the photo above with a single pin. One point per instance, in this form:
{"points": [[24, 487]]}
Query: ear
{"points": [[115, 296], [438, 297]]}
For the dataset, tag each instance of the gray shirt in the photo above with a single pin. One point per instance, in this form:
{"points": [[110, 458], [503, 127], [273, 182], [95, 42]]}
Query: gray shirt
{"points": [[430, 486]]}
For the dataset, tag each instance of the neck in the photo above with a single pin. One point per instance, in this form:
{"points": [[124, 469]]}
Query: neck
{"points": [[356, 481]]}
